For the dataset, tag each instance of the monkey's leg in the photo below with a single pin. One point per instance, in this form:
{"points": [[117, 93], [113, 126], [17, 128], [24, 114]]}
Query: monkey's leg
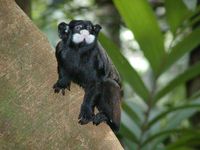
{"points": [[87, 108], [63, 81]]}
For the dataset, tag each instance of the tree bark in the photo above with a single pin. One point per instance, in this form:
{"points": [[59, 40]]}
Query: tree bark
{"points": [[25, 5], [31, 115], [193, 85], [110, 18]]}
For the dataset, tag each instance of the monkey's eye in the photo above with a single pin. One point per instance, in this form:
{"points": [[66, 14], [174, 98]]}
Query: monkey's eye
{"points": [[89, 28], [78, 27]]}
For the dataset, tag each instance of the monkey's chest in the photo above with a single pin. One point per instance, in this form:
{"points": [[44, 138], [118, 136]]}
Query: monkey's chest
{"points": [[80, 68]]}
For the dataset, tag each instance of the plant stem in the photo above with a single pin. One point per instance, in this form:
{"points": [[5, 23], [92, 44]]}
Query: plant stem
{"points": [[144, 126]]}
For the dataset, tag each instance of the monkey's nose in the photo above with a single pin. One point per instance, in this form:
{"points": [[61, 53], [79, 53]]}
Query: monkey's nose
{"points": [[84, 32]]}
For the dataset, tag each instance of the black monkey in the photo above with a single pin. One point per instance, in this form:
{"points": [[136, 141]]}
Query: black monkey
{"points": [[81, 59]]}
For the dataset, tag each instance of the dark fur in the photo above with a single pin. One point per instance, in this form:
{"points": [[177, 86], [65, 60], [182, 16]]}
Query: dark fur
{"points": [[89, 66]]}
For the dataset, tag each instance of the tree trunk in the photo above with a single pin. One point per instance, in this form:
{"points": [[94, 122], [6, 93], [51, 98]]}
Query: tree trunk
{"points": [[25, 5], [31, 115], [110, 18], [193, 85]]}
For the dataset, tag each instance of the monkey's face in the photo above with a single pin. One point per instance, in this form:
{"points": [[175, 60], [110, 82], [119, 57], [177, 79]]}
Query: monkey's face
{"points": [[81, 31]]}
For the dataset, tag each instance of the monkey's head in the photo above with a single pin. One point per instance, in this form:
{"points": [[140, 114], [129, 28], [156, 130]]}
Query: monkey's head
{"points": [[79, 31]]}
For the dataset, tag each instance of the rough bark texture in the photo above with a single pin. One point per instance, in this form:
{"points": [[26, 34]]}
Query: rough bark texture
{"points": [[25, 5], [31, 115]]}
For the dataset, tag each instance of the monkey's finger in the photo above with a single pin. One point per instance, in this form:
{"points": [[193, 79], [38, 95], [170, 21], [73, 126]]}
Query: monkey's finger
{"points": [[80, 116], [55, 86], [95, 123], [79, 121], [83, 121], [56, 90], [63, 92]]}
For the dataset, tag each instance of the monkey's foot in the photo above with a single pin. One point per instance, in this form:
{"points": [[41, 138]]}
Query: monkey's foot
{"points": [[60, 87], [99, 117], [85, 116]]}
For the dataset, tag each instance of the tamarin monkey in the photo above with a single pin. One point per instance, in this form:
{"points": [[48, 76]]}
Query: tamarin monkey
{"points": [[83, 60]]}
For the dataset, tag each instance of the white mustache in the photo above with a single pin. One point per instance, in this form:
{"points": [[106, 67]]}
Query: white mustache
{"points": [[84, 35]]}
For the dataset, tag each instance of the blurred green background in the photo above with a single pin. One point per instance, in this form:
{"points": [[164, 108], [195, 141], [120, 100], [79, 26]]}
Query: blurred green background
{"points": [[155, 45]]}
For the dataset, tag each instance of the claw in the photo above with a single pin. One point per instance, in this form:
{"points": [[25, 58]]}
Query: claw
{"points": [[83, 121], [84, 118], [57, 89], [63, 92], [79, 117]]}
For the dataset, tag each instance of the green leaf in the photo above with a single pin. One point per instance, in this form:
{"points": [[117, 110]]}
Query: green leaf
{"points": [[129, 144], [166, 123], [167, 133], [190, 73], [128, 73], [192, 104], [176, 13], [130, 124], [191, 4], [191, 20], [194, 21], [185, 140], [127, 133], [139, 17], [186, 45], [171, 119], [129, 129], [132, 114]]}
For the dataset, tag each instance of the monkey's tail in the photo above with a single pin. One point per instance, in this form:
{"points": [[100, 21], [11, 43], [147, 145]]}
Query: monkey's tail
{"points": [[112, 99]]}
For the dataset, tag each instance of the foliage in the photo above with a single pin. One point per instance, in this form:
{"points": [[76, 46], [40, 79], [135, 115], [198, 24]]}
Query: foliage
{"points": [[147, 123]]}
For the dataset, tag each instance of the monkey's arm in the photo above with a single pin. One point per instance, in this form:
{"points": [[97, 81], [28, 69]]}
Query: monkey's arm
{"points": [[63, 78], [105, 63]]}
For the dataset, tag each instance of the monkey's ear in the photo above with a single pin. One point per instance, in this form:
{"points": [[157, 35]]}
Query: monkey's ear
{"points": [[97, 28], [63, 29]]}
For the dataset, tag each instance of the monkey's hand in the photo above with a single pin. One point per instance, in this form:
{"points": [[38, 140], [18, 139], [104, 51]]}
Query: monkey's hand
{"points": [[61, 85]]}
